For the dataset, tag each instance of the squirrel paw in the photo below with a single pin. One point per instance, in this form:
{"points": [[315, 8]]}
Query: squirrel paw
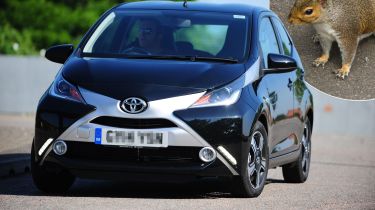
{"points": [[316, 38], [343, 72], [321, 61]]}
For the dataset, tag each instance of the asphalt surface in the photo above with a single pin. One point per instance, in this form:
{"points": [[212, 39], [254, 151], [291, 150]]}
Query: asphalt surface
{"points": [[342, 176], [360, 83], [16, 132]]}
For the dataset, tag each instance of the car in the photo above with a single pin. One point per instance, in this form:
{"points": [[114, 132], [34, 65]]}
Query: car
{"points": [[173, 91]]}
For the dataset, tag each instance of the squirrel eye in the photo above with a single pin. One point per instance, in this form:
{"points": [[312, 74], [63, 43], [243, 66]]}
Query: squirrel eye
{"points": [[309, 12]]}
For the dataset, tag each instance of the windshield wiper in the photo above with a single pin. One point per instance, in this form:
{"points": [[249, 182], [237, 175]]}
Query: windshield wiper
{"points": [[176, 57], [199, 58]]}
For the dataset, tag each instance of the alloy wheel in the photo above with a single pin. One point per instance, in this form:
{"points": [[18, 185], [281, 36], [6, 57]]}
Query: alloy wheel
{"points": [[256, 163], [306, 150]]}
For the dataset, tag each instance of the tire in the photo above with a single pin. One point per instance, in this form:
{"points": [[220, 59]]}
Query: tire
{"points": [[254, 169], [298, 171], [50, 178]]}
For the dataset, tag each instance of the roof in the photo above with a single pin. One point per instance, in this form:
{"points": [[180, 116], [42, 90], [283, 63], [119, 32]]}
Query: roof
{"points": [[259, 3], [195, 6]]}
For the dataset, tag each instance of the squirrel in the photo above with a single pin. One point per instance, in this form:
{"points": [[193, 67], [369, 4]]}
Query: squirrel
{"points": [[344, 21]]}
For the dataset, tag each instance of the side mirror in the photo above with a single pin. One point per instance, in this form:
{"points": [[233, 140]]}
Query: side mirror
{"points": [[59, 53], [280, 64]]}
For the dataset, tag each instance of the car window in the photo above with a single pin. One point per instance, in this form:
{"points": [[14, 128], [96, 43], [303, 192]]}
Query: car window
{"points": [[267, 39], [215, 37], [103, 35], [285, 40]]}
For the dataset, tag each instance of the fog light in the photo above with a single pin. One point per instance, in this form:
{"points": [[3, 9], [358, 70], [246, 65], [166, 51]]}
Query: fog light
{"points": [[59, 147], [207, 154]]}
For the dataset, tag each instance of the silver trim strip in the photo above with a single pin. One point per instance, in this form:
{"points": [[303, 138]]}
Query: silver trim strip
{"points": [[49, 149], [252, 73], [225, 162], [179, 136], [197, 136], [227, 155], [45, 145]]}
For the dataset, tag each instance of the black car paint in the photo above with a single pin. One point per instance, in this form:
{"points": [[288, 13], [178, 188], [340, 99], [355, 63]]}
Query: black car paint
{"points": [[257, 102], [54, 115], [121, 78]]}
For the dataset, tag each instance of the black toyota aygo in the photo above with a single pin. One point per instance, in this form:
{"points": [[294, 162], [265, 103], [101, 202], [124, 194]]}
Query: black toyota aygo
{"points": [[170, 89]]}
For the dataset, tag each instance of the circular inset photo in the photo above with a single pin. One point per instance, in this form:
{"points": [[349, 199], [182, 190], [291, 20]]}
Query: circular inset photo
{"points": [[336, 45]]}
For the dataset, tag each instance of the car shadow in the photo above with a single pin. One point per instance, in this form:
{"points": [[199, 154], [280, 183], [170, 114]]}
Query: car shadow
{"points": [[22, 185], [201, 189], [15, 179], [18, 181], [208, 189], [270, 181]]}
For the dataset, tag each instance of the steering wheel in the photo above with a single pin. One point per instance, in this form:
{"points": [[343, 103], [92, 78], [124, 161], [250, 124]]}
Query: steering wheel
{"points": [[137, 51]]}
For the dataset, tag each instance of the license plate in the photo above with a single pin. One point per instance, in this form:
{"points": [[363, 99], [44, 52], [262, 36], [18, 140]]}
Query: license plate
{"points": [[131, 138]]}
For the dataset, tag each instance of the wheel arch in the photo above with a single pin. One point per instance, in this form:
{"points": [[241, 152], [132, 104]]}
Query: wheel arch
{"points": [[263, 116], [310, 116], [263, 119]]}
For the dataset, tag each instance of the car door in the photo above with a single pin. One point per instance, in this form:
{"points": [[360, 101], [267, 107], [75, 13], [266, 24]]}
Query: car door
{"points": [[297, 77], [279, 94]]}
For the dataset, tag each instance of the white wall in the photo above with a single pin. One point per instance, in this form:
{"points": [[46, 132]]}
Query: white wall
{"points": [[335, 116], [23, 80]]}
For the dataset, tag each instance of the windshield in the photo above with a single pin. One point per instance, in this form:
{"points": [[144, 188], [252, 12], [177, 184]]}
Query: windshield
{"points": [[170, 33]]}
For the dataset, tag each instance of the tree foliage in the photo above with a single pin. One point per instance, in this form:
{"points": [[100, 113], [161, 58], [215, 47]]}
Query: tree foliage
{"points": [[27, 26]]}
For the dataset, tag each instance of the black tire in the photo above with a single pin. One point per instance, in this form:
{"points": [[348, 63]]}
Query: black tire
{"points": [[50, 178], [298, 171], [248, 186]]}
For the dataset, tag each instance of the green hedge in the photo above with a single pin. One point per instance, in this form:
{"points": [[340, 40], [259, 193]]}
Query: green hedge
{"points": [[27, 26]]}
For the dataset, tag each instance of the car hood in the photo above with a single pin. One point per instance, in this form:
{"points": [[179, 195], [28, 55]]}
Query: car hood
{"points": [[148, 79]]}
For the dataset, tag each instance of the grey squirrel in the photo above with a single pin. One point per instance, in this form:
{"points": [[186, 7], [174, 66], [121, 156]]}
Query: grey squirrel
{"points": [[344, 21]]}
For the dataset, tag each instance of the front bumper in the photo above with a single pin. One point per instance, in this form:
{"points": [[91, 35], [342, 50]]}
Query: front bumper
{"points": [[189, 131], [117, 161]]}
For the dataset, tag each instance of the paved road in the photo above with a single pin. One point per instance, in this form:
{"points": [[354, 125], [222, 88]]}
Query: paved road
{"points": [[359, 85], [342, 177], [16, 133]]}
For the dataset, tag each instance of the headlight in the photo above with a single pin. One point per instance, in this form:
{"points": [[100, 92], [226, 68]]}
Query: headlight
{"points": [[223, 96], [63, 89]]}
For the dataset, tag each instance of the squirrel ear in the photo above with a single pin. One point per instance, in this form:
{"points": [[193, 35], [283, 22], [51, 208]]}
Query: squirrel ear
{"points": [[323, 3]]}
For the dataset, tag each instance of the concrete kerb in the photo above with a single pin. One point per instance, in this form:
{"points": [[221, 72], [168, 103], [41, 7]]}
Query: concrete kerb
{"points": [[14, 164]]}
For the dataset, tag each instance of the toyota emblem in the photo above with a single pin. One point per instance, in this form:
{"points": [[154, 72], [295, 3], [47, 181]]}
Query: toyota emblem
{"points": [[134, 105]]}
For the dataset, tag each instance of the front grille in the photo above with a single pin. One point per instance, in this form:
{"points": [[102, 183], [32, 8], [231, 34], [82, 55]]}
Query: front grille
{"points": [[93, 152], [133, 123]]}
